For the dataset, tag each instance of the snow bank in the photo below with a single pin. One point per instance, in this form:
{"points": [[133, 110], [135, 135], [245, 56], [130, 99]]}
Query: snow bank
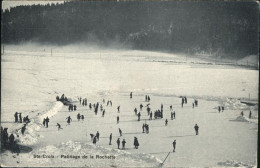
{"points": [[56, 107], [102, 157], [241, 119], [31, 136], [232, 163]]}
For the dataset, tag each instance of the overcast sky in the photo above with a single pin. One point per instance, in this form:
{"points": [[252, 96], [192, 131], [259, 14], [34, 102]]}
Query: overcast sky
{"points": [[6, 4]]}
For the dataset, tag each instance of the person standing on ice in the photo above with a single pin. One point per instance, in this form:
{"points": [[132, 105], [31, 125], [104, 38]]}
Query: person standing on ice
{"points": [[222, 108], [242, 113], [166, 122], [135, 110], [118, 143], [20, 117], [120, 132], [23, 129], [250, 115], [68, 120], [139, 115], [131, 95], [174, 114], [97, 135], [118, 109], [141, 106], [117, 119], [151, 115], [123, 144], [78, 116], [95, 140], [170, 107], [196, 127], [192, 105], [136, 143], [75, 107], [143, 127], [44, 121], [11, 141], [219, 109], [171, 115], [16, 117], [103, 113], [174, 145], [47, 122], [110, 139], [148, 98], [82, 117]]}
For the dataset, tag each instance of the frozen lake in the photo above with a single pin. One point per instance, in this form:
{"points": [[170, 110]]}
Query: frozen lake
{"points": [[32, 80]]}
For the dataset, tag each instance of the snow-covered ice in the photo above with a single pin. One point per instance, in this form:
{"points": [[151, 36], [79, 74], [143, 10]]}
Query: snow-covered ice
{"points": [[32, 80]]}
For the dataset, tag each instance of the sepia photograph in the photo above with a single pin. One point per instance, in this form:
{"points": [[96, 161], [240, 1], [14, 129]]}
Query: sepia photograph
{"points": [[127, 83]]}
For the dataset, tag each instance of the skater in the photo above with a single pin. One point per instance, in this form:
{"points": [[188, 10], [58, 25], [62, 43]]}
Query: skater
{"points": [[171, 115], [97, 135], [141, 106], [136, 143], [171, 107], [147, 128], [68, 120], [11, 142], [185, 100], [44, 122], [75, 107], [91, 136], [107, 102], [59, 126], [250, 115], [222, 108], [110, 139], [82, 117], [120, 132], [135, 110], [78, 116], [117, 119], [174, 145], [47, 121], [20, 117], [103, 113], [118, 109], [148, 110], [118, 143], [219, 109], [242, 113], [166, 122], [192, 105], [139, 115], [23, 129], [131, 94], [196, 127], [151, 115], [174, 114], [143, 127], [80, 100], [16, 117], [123, 144], [94, 140], [148, 98], [5, 136]]}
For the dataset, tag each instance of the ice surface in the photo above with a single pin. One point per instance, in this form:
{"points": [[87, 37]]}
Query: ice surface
{"points": [[32, 80]]}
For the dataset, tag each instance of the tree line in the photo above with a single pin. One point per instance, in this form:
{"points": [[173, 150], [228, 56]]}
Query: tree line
{"points": [[222, 28]]}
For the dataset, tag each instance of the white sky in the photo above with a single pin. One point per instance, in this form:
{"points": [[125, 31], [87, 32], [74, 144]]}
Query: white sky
{"points": [[6, 4]]}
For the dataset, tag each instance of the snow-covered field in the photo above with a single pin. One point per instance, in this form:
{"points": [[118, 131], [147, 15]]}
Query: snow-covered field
{"points": [[32, 80]]}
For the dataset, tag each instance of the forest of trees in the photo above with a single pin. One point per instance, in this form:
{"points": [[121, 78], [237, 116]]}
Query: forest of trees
{"points": [[222, 28]]}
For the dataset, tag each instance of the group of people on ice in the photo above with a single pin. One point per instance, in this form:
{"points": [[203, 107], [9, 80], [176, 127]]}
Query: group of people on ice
{"points": [[8, 142], [24, 120]]}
